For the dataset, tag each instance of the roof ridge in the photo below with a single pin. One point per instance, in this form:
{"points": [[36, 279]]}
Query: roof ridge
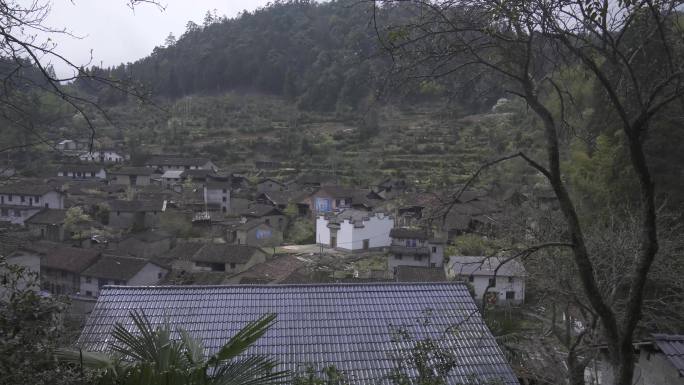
{"points": [[274, 286]]}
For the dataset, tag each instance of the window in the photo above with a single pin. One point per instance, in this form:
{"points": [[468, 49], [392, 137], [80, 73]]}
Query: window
{"points": [[434, 249], [89, 293], [232, 265], [17, 213], [159, 275], [366, 244], [224, 199], [9, 197], [88, 280], [4, 212], [37, 199], [510, 279], [118, 213], [432, 264], [267, 221], [22, 199], [510, 295], [224, 191], [471, 279], [397, 256], [492, 282], [410, 243]]}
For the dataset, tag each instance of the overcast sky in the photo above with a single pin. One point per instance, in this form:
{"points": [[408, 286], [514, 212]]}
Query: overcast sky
{"points": [[116, 34]]}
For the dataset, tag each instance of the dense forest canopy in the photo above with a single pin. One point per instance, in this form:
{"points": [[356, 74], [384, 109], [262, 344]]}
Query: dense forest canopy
{"points": [[323, 55]]}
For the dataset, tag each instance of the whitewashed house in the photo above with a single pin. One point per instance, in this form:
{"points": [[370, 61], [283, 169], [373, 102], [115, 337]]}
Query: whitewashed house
{"points": [[414, 247], [22, 200], [117, 270], [82, 171], [508, 286], [103, 156], [354, 230]]}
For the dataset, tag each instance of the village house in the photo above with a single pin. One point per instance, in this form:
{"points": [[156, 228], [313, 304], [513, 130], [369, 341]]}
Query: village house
{"points": [[280, 199], [82, 171], [130, 176], [267, 214], [413, 247], [21, 200], [354, 326], [390, 187], [137, 214], [256, 232], [171, 179], [119, 270], [659, 360], [268, 184], [104, 156], [147, 244], [61, 266], [220, 257], [48, 224], [163, 163], [329, 199], [507, 285], [354, 230], [198, 175], [69, 145], [218, 193]]}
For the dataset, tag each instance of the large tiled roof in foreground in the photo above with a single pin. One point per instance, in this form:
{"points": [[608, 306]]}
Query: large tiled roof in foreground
{"points": [[351, 326]]}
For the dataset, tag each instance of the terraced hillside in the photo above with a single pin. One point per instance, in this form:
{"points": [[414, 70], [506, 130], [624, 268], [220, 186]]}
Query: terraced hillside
{"points": [[428, 144]]}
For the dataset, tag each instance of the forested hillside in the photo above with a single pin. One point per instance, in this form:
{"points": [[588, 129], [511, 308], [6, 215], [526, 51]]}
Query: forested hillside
{"points": [[324, 57]]}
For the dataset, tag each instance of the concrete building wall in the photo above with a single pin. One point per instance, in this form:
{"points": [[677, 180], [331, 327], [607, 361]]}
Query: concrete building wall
{"points": [[54, 233], [376, 230], [218, 196], [101, 174], [52, 199], [653, 368], [262, 236], [149, 275], [503, 285]]}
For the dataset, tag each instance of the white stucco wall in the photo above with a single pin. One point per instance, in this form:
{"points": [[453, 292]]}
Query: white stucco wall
{"points": [[480, 283], [322, 231], [52, 199]]}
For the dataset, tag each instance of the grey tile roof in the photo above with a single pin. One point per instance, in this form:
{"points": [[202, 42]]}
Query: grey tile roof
{"points": [[164, 160], [135, 206], [349, 326], [408, 233], [420, 274], [672, 346], [116, 267], [131, 171], [48, 217], [26, 188]]}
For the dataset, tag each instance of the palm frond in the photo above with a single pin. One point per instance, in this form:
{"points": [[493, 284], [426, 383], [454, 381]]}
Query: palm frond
{"points": [[194, 350], [243, 339], [254, 370]]}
